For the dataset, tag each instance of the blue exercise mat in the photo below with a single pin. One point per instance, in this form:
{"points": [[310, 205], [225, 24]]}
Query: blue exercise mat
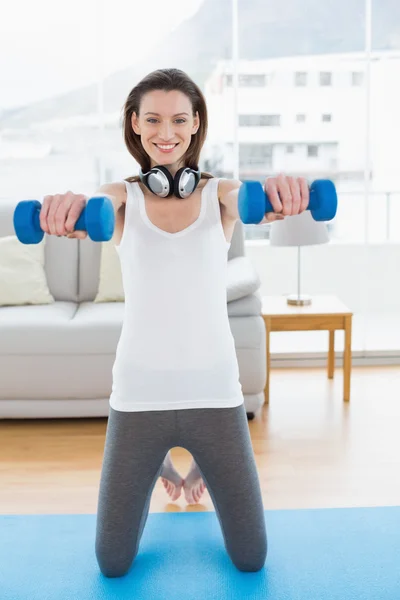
{"points": [[334, 554]]}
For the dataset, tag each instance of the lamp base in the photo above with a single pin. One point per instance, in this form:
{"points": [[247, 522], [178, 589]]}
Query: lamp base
{"points": [[299, 300]]}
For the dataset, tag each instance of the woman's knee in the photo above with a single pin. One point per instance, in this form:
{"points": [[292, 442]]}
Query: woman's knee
{"points": [[112, 562], [252, 564], [251, 559]]}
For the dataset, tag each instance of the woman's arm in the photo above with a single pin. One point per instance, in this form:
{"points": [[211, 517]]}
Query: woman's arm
{"points": [[228, 198], [117, 194], [115, 191]]}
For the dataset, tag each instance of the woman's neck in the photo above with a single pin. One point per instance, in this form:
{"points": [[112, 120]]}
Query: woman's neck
{"points": [[173, 169]]}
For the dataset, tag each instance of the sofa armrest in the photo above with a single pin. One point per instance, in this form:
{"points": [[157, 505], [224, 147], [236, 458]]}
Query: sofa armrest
{"points": [[242, 278]]}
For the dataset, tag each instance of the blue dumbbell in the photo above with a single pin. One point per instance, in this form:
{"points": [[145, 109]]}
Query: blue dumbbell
{"points": [[253, 202], [97, 218]]}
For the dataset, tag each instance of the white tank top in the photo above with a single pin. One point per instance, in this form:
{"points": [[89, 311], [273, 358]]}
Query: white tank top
{"points": [[176, 349]]}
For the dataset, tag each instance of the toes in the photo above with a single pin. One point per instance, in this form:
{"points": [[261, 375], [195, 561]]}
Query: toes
{"points": [[177, 493], [200, 491], [174, 491], [189, 497], [194, 493]]}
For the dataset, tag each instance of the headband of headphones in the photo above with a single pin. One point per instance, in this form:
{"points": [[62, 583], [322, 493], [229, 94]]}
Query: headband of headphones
{"points": [[160, 181]]}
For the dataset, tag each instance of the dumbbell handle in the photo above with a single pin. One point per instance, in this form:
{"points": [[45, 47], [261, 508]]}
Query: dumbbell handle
{"points": [[80, 225], [312, 204]]}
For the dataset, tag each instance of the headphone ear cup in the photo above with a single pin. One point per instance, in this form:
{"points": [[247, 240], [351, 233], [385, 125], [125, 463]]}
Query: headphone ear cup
{"points": [[177, 182], [184, 192], [162, 181], [169, 178]]}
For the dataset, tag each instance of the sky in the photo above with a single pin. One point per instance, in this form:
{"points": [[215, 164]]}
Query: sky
{"points": [[48, 47]]}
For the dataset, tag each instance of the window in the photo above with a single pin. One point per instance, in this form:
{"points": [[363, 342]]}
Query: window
{"points": [[248, 80], [255, 154], [357, 78], [259, 120], [312, 151], [328, 139], [300, 78], [325, 78]]}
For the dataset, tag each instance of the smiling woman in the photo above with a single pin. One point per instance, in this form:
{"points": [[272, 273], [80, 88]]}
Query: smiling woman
{"points": [[175, 366]]}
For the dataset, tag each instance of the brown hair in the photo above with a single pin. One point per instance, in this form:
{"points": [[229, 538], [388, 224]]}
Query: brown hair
{"points": [[167, 80]]}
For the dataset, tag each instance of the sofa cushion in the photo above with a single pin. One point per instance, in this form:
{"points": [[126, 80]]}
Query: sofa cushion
{"points": [[89, 269], [22, 275], [99, 326], [61, 256], [61, 264], [110, 287], [237, 242], [61, 328], [243, 278], [249, 306], [35, 329]]}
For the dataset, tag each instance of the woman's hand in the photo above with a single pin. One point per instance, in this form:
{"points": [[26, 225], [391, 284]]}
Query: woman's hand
{"points": [[60, 212], [288, 196]]}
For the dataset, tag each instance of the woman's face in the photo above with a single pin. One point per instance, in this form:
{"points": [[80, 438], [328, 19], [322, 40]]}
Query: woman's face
{"points": [[165, 124]]}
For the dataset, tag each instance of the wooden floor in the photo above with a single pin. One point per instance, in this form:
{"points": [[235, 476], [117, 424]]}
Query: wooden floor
{"points": [[311, 450]]}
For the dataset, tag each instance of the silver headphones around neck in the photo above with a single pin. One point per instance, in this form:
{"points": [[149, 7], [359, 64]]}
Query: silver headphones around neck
{"points": [[160, 181]]}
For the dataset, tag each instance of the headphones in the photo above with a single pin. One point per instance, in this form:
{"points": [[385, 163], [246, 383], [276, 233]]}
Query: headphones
{"points": [[160, 181]]}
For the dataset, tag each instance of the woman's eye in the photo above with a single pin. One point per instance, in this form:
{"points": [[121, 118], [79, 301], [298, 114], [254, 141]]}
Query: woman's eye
{"points": [[151, 120]]}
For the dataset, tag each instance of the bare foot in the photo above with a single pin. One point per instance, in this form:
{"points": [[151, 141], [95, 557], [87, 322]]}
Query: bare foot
{"points": [[171, 479], [193, 485]]}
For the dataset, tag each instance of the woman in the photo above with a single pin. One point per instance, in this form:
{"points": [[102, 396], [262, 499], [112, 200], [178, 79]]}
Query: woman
{"points": [[175, 375]]}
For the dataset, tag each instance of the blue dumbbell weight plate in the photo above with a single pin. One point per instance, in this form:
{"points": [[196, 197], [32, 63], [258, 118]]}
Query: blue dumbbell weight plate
{"points": [[27, 222], [99, 219], [251, 202], [324, 210]]}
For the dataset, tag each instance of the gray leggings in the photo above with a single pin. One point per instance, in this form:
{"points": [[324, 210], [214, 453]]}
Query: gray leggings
{"points": [[135, 447]]}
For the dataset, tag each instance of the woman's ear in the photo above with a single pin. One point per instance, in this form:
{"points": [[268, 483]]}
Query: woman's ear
{"points": [[196, 123], [135, 123]]}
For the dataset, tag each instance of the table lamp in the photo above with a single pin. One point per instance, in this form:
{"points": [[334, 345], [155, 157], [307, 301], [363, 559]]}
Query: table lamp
{"points": [[298, 230]]}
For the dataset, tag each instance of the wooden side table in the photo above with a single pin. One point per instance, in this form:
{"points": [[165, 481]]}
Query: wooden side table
{"points": [[326, 313]]}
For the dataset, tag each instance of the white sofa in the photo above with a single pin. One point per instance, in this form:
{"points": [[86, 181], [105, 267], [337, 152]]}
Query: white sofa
{"points": [[56, 359]]}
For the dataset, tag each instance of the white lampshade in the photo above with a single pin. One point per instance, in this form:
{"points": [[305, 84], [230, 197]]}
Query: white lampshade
{"points": [[298, 230]]}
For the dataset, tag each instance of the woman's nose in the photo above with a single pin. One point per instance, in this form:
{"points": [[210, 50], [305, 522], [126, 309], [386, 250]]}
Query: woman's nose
{"points": [[166, 131]]}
